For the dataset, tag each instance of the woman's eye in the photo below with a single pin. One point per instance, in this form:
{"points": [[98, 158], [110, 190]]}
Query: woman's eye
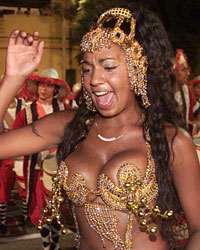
{"points": [[86, 70], [110, 68]]}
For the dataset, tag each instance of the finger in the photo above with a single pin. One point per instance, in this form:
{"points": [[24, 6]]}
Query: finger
{"points": [[35, 39], [28, 40], [21, 36], [36, 35], [38, 56], [13, 37]]}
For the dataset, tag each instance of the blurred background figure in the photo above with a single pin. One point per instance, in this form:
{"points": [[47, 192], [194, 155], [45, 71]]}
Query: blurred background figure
{"points": [[19, 11], [76, 88], [46, 11], [184, 96], [49, 91], [195, 87], [28, 11], [72, 100], [9, 168]]}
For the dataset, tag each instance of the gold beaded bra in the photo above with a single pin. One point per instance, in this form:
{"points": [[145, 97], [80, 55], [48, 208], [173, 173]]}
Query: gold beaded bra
{"points": [[133, 195]]}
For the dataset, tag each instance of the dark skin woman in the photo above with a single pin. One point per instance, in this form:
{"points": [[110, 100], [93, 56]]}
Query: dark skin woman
{"points": [[125, 163]]}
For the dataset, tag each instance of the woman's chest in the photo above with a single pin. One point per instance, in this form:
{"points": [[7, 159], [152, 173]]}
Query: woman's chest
{"points": [[119, 173], [91, 160]]}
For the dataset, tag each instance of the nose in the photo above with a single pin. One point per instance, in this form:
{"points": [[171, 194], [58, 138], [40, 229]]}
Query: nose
{"points": [[44, 86], [97, 78]]}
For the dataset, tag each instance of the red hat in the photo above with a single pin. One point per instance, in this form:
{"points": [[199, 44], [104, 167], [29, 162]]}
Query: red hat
{"points": [[181, 60], [50, 76], [75, 90], [194, 82], [24, 93]]}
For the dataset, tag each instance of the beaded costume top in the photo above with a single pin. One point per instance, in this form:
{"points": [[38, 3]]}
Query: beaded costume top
{"points": [[133, 194], [132, 185]]}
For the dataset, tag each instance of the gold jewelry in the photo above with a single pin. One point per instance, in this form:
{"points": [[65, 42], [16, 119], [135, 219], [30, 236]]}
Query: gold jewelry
{"points": [[103, 35], [88, 100]]}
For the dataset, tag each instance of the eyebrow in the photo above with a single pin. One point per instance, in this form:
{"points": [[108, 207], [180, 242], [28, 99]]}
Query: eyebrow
{"points": [[108, 58], [101, 60]]}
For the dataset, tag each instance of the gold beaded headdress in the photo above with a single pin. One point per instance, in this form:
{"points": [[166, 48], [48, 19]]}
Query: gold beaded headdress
{"points": [[118, 26]]}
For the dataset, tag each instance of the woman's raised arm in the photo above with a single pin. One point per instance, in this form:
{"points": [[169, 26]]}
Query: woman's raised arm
{"points": [[23, 57]]}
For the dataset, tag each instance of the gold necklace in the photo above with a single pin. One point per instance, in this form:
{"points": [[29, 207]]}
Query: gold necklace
{"points": [[109, 139]]}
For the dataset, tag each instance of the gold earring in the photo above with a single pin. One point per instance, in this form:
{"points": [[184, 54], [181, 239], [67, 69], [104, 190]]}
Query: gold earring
{"points": [[88, 100], [137, 69]]}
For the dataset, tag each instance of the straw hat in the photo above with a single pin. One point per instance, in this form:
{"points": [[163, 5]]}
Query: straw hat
{"points": [[76, 87], [197, 77], [49, 76]]}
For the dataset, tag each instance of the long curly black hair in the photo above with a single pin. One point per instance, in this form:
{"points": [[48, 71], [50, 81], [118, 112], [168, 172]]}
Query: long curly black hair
{"points": [[152, 36]]}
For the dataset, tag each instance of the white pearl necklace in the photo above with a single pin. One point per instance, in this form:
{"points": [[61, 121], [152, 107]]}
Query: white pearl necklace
{"points": [[111, 139]]}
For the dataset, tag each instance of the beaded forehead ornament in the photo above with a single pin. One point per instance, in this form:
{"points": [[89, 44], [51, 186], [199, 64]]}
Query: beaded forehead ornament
{"points": [[118, 26]]}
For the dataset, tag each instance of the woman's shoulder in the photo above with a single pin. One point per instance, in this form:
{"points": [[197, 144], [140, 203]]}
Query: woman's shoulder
{"points": [[177, 134], [181, 146], [178, 137]]}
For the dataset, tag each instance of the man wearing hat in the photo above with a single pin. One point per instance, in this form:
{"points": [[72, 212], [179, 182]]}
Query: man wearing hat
{"points": [[195, 86], [9, 167], [184, 96], [49, 90]]}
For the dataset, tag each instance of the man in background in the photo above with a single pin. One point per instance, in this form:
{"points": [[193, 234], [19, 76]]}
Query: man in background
{"points": [[50, 89], [184, 96]]}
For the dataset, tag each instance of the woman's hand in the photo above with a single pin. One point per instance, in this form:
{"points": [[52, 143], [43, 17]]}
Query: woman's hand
{"points": [[24, 54], [23, 57]]}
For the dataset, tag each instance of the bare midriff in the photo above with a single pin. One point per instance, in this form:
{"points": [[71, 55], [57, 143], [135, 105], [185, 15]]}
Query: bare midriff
{"points": [[90, 240]]}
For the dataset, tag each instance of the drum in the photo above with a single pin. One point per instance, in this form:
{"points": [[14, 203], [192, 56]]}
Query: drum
{"points": [[49, 169]]}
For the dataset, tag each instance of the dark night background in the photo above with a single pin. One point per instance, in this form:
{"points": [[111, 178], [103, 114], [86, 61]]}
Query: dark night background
{"points": [[180, 18]]}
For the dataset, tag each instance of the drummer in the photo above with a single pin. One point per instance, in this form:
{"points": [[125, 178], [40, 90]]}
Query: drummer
{"points": [[50, 89]]}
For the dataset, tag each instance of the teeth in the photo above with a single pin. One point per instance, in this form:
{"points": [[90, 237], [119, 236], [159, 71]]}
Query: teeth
{"points": [[100, 93]]}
